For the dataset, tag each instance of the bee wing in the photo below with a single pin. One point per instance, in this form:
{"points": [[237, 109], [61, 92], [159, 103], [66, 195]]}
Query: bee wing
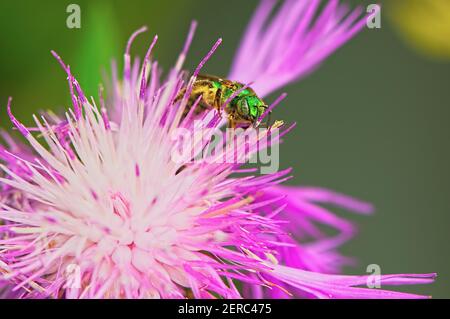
{"points": [[209, 77], [225, 82]]}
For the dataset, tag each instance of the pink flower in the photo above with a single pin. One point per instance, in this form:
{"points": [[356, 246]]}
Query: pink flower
{"points": [[278, 51], [97, 207]]}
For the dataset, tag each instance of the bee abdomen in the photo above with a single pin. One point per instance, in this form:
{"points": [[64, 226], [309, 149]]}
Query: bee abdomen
{"points": [[202, 88]]}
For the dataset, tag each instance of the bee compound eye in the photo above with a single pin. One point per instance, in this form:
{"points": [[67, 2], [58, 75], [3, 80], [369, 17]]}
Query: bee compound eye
{"points": [[244, 107]]}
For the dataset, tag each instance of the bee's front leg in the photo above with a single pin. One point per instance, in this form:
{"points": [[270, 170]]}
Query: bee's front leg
{"points": [[217, 102], [219, 111], [231, 126], [231, 122]]}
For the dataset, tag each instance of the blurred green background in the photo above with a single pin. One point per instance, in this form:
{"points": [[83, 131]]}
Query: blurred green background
{"points": [[373, 118]]}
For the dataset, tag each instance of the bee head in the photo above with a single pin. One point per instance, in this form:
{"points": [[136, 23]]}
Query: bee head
{"points": [[250, 107]]}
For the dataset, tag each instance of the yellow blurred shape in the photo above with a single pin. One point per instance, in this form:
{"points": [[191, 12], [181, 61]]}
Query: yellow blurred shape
{"points": [[425, 24]]}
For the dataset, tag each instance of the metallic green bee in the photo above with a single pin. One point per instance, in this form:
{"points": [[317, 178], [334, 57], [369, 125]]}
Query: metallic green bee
{"points": [[244, 110]]}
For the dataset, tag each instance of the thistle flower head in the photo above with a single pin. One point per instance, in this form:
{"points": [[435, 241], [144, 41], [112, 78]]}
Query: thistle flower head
{"points": [[97, 207]]}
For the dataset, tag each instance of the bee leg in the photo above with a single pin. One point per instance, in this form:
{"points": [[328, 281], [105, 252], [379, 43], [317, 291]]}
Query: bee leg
{"points": [[180, 95], [217, 102], [230, 129], [219, 111], [231, 123]]}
